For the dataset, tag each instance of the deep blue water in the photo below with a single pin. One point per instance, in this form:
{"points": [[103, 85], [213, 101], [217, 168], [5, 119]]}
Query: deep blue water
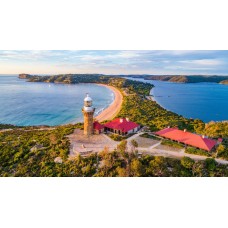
{"points": [[205, 101], [32, 103]]}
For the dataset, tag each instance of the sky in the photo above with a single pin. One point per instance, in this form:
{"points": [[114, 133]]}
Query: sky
{"points": [[114, 62]]}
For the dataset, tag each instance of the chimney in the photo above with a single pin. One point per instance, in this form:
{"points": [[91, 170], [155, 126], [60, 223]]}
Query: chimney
{"points": [[121, 120], [185, 130], [203, 136], [127, 119]]}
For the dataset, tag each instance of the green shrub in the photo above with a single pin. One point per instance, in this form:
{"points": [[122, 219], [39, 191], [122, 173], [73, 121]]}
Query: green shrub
{"points": [[210, 164], [116, 137], [187, 162], [192, 150], [146, 135], [172, 143]]}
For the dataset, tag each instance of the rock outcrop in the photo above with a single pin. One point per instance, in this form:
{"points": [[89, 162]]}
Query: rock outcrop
{"points": [[24, 76]]}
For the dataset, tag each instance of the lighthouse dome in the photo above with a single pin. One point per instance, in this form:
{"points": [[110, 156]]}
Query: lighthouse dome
{"points": [[88, 98], [88, 101]]}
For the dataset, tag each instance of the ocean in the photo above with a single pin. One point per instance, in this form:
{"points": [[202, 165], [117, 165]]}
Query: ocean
{"points": [[205, 101], [32, 103]]}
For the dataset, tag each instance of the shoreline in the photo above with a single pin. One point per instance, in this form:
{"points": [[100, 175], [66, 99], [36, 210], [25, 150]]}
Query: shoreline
{"points": [[112, 110], [108, 113], [213, 117]]}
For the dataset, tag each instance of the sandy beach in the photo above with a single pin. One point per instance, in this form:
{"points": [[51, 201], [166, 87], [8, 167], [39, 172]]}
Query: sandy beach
{"points": [[110, 112]]}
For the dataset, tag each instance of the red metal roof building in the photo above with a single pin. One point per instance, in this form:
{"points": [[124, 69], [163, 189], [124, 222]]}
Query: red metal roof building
{"points": [[122, 126], [187, 138], [98, 128]]}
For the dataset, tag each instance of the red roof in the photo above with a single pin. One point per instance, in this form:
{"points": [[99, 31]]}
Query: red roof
{"points": [[121, 124], [187, 138], [97, 126], [220, 139]]}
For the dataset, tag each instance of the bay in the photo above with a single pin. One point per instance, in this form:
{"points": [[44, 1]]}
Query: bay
{"points": [[205, 101], [33, 103]]}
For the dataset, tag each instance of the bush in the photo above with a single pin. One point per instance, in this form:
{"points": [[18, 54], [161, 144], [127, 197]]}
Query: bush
{"points": [[210, 164], [172, 143], [187, 162], [146, 135], [222, 151], [116, 137], [192, 150], [7, 126]]}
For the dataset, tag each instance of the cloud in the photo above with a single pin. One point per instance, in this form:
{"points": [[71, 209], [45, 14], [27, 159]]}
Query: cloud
{"points": [[204, 62], [113, 61]]}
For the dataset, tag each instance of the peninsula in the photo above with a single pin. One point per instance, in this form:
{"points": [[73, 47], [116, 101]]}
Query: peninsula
{"points": [[77, 78], [184, 78], [36, 151]]}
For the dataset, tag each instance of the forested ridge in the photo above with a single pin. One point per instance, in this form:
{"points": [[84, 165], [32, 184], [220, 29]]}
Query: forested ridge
{"points": [[185, 78]]}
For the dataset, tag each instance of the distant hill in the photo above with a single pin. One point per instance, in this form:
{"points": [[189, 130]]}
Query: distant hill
{"points": [[63, 78], [184, 78], [24, 76], [83, 78]]}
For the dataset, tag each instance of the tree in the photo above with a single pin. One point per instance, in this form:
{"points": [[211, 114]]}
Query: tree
{"points": [[134, 144], [121, 172], [210, 164], [122, 147], [157, 166], [198, 169], [136, 168], [53, 139], [187, 162], [220, 149]]}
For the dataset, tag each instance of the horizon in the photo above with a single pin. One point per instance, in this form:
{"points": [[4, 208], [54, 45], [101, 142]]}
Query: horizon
{"points": [[192, 75], [114, 62]]}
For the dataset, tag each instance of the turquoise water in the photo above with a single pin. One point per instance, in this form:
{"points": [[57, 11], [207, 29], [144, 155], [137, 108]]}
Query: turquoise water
{"points": [[32, 103], [205, 101]]}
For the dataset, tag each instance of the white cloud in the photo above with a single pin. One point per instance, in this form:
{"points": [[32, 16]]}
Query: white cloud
{"points": [[203, 62], [109, 61], [173, 67]]}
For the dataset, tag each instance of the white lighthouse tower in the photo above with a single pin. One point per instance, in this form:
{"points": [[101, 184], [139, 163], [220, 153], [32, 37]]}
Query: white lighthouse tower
{"points": [[88, 111]]}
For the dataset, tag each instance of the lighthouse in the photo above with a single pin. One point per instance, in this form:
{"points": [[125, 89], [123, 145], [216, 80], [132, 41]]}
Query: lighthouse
{"points": [[88, 111]]}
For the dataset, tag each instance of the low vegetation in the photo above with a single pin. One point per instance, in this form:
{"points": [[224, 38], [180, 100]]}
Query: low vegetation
{"points": [[222, 149], [21, 156], [149, 136], [172, 144], [7, 126], [32, 152], [117, 137], [216, 129], [193, 150]]}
